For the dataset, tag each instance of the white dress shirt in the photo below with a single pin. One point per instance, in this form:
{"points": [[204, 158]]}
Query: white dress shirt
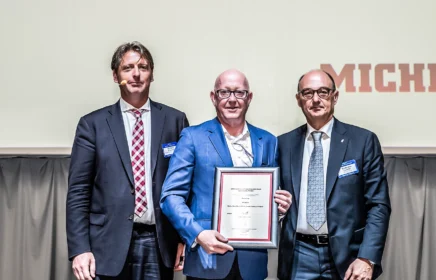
{"points": [[240, 148], [302, 225], [129, 123]]}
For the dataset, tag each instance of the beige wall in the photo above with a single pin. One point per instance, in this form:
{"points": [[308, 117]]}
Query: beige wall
{"points": [[55, 58]]}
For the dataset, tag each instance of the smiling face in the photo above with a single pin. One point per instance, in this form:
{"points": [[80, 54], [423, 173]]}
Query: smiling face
{"points": [[318, 111], [136, 71], [231, 111]]}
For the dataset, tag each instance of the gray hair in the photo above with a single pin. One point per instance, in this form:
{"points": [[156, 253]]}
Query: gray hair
{"points": [[133, 46]]}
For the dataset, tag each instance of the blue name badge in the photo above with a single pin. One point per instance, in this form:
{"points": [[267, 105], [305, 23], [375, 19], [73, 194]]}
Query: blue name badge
{"points": [[168, 149], [348, 168]]}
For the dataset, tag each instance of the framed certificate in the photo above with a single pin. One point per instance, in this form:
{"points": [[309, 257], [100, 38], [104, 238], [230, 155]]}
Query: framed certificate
{"points": [[244, 210]]}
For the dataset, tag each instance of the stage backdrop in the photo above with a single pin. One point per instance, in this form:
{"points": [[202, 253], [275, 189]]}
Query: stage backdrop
{"points": [[55, 61]]}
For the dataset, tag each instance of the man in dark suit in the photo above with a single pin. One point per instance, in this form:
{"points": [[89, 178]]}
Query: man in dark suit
{"points": [[339, 217], [187, 194], [120, 156]]}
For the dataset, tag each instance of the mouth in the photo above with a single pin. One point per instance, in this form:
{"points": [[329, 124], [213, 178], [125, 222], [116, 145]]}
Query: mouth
{"points": [[135, 84], [316, 108]]}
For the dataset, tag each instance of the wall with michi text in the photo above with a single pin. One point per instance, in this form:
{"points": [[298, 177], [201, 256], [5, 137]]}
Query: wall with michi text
{"points": [[55, 61]]}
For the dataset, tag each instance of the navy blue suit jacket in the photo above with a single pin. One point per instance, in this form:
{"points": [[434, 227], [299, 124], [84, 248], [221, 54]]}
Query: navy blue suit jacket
{"points": [[358, 205], [101, 200], [187, 196]]}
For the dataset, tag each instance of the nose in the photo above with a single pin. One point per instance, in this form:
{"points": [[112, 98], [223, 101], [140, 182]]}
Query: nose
{"points": [[315, 98], [232, 97], [135, 72]]}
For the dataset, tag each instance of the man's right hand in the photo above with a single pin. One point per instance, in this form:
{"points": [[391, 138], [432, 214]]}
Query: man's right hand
{"points": [[84, 266], [213, 242]]}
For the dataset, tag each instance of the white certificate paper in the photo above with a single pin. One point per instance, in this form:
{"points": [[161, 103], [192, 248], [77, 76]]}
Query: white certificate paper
{"points": [[245, 206]]}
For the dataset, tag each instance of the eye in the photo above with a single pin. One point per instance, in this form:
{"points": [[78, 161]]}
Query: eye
{"points": [[324, 90], [240, 93], [307, 91]]}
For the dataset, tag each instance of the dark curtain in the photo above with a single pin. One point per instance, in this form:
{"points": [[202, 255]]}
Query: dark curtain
{"points": [[32, 219]]}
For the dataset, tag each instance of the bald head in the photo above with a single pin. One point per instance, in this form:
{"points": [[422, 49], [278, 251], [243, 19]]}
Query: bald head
{"points": [[319, 75], [317, 97], [231, 75], [231, 98]]}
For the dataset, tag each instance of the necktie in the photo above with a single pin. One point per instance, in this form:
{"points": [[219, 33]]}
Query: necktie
{"points": [[138, 163], [315, 187]]}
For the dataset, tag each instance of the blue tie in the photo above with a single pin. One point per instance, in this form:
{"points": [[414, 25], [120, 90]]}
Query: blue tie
{"points": [[315, 186]]}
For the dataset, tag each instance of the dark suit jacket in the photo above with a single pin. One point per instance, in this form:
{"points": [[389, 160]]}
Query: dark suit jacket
{"points": [[358, 205], [100, 200], [187, 196]]}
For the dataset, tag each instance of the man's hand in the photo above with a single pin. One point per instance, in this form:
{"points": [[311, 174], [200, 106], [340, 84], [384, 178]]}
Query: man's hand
{"points": [[360, 269], [180, 257], [284, 200], [213, 242], [84, 266]]}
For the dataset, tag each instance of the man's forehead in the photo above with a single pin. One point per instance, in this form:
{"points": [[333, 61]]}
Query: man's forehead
{"points": [[133, 57], [232, 81], [315, 78]]}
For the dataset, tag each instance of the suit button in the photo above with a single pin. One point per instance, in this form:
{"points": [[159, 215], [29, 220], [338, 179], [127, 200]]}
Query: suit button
{"points": [[132, 191], [131, 217]]}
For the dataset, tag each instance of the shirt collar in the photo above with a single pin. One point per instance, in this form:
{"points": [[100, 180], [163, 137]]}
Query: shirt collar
{"points": [[326, 129], [125, 106], [245, 133]]}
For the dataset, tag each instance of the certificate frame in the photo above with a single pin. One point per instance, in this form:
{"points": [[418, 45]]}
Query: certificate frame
{"points": [[220, 220]]}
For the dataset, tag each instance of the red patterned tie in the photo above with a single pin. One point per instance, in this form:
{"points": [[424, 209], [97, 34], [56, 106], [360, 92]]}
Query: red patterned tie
{"points": [[138, 163]]}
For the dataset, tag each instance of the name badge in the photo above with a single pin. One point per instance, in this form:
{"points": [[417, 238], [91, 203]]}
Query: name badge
{"points": [[168, 149], [348, 168]]}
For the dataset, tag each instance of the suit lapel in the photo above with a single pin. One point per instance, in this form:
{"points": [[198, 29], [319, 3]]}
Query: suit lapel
{"points": [[116, 125], [256, 146], [338, 147], [157, 126], [297, 151], [216, 136]]}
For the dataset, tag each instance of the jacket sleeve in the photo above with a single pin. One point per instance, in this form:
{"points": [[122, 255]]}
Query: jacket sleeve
{"points": [[80, 182], [377, 202], [176, 190]]}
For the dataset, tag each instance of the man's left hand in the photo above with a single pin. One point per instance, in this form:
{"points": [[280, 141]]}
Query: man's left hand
{"points": [[180, 257], [360, 269], [284, 200]]}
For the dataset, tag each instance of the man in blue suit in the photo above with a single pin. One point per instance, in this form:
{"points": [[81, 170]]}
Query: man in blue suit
{"points": [[339, 217], [187, 194], [120, 157]]}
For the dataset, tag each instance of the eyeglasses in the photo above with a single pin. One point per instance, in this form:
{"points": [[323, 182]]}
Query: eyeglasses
{"points": [[225, 93], [308, 93]]}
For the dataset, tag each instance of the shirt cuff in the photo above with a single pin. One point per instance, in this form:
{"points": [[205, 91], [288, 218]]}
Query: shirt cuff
{"points": [[194, 244], [370, 261]]}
